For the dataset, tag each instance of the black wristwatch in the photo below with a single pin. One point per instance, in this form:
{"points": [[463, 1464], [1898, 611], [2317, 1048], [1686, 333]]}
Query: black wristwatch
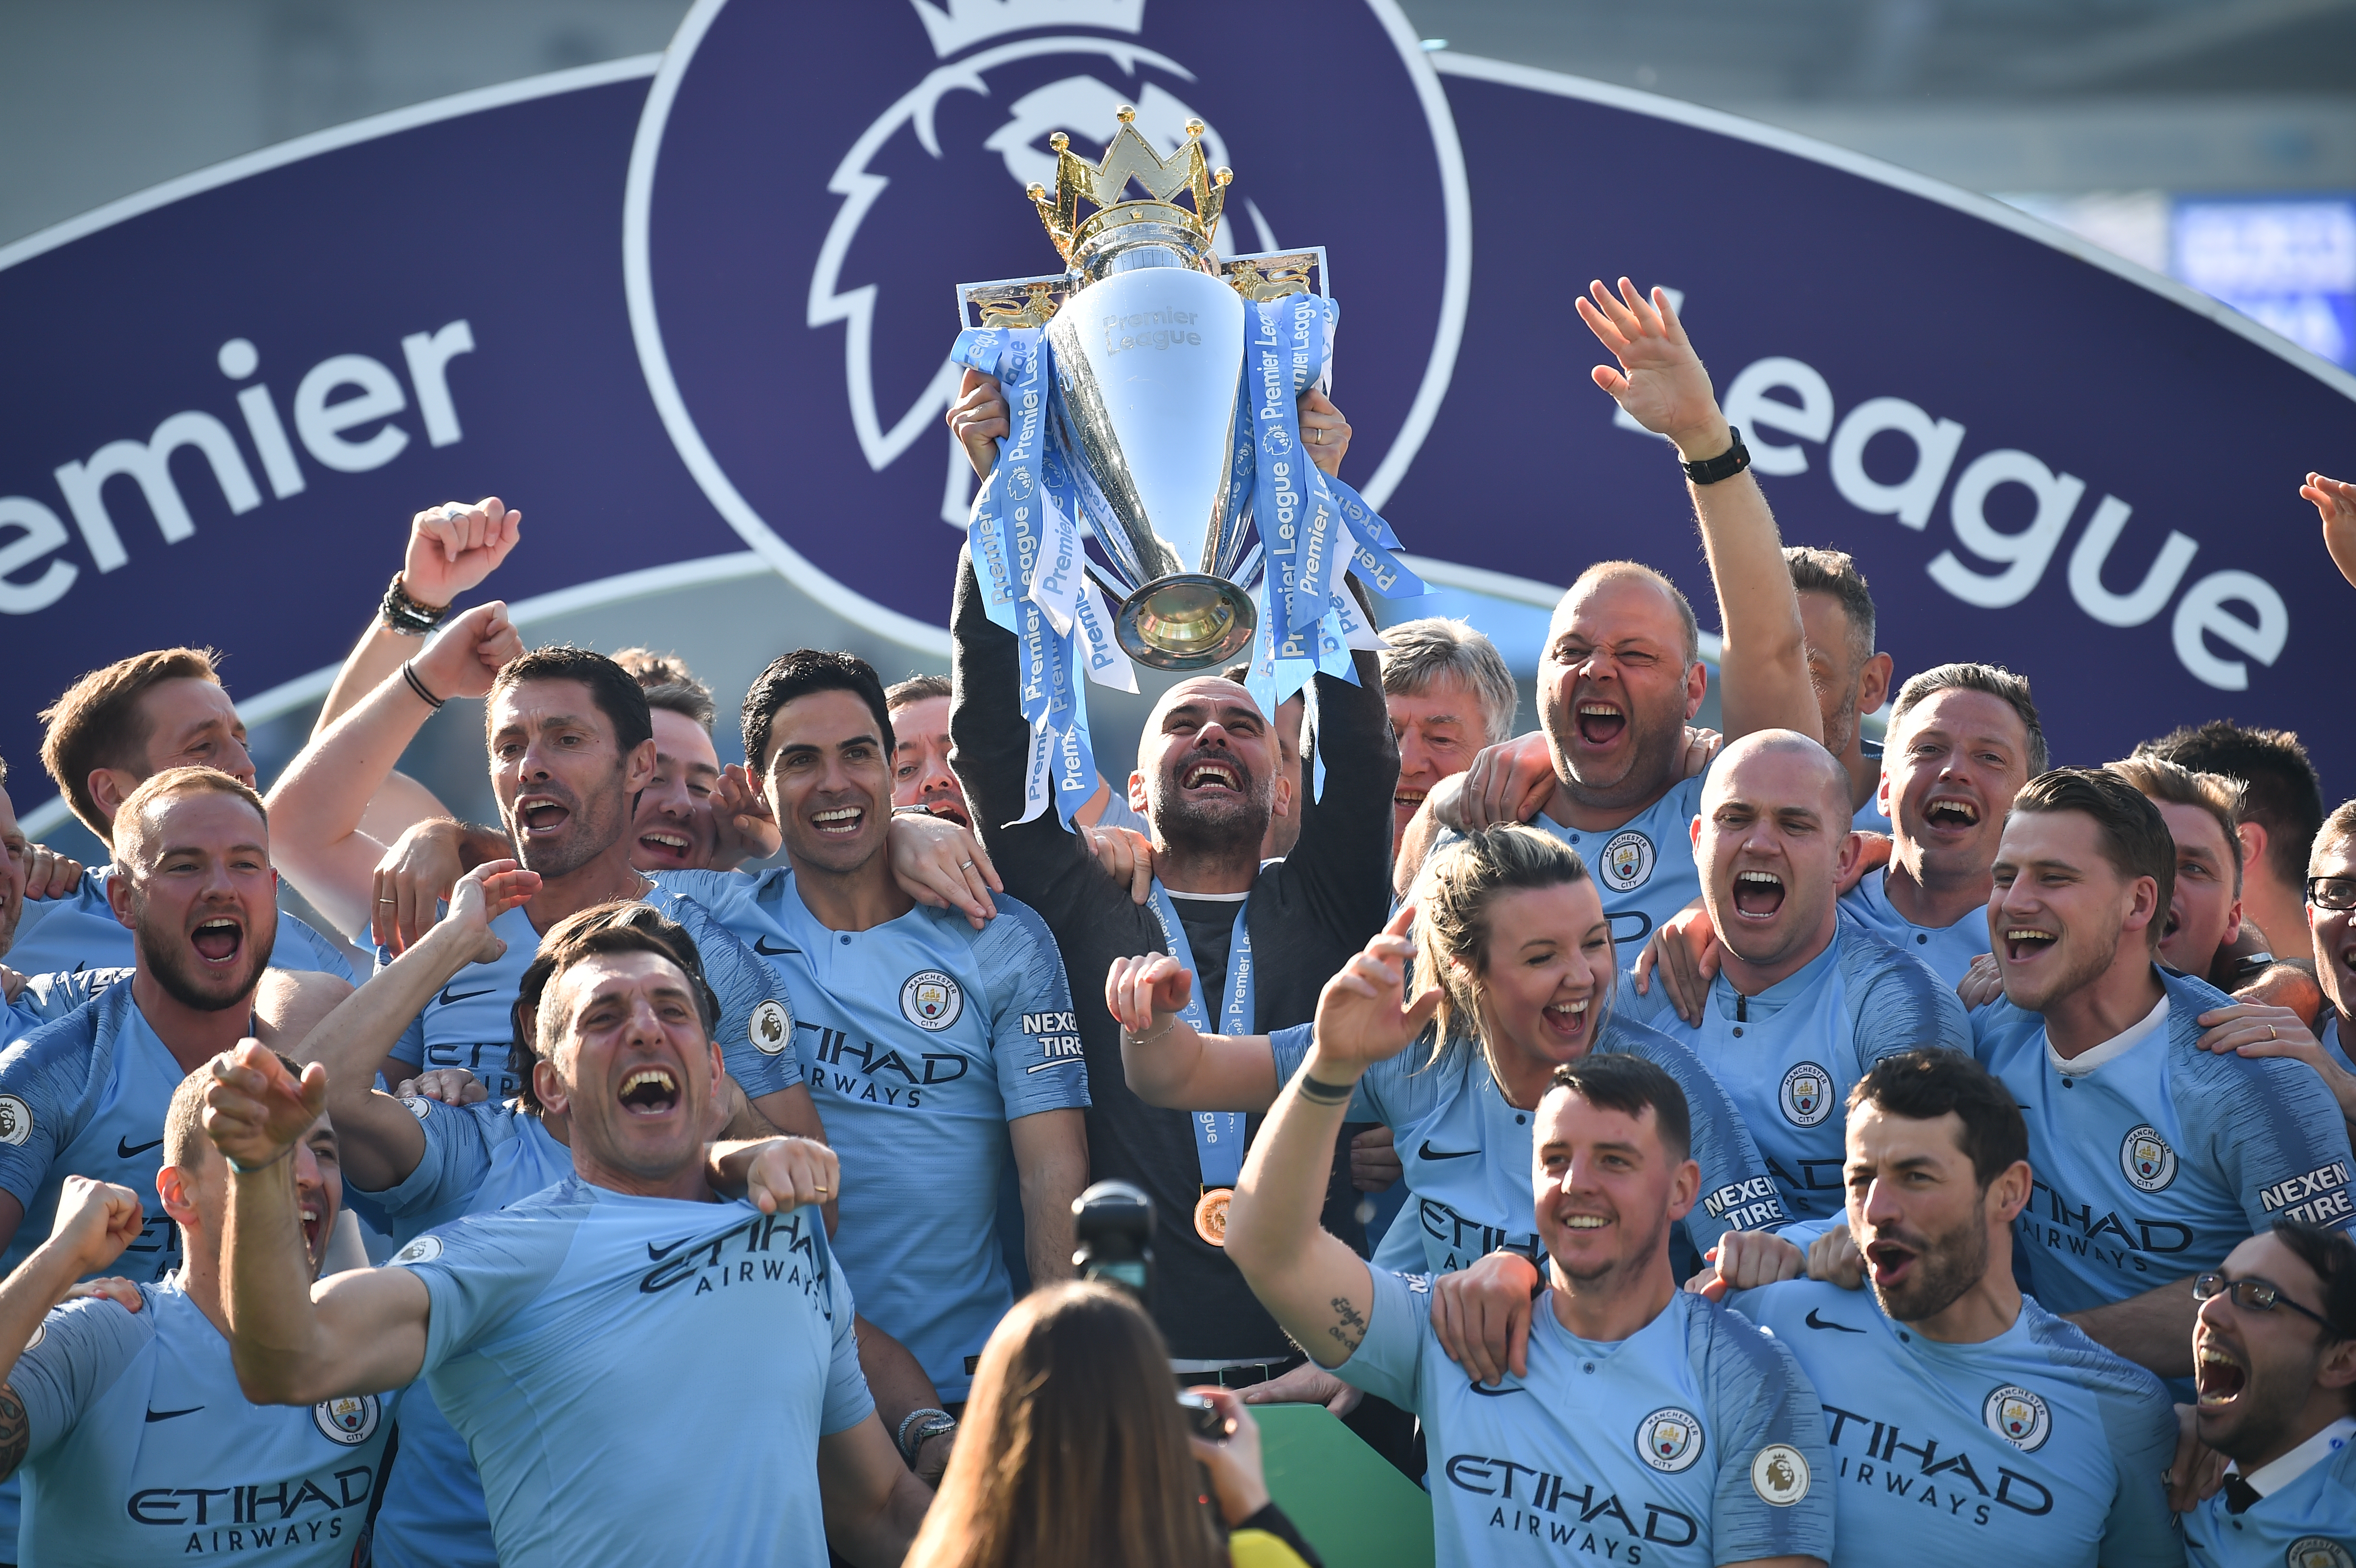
{"points": [[1725, 466]]}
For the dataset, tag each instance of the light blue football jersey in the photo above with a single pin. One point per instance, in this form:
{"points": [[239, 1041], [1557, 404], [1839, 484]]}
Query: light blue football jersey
{"points": [[923, 1038], [79, 931], [2156, 1162], [144, 1450], [1644, 867], [1695, 1441], [1789, 1055], [1869, 817], [86, 1096], [2307, 1521], [2037, 1446], [2332, 1044], [547, 1312], [1947, 949], [1468, 1158], [46, 998], [470, 1023], [478, 1159]]}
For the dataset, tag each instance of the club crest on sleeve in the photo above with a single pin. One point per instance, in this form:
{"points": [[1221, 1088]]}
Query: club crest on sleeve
{"points": [[424, 1249], [2019, 1416], [2317, 1552], [772, 1028], [15, 1120], [1626, 862], [1807, 1095], [349, 1420], [417, 1106], [2147, 1159], [931, 1001], [1779, 1474], [1670, 1439]]}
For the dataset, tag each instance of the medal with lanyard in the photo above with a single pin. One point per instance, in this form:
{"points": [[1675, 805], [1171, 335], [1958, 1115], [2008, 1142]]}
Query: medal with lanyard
{"points": [[1218, 1135]]}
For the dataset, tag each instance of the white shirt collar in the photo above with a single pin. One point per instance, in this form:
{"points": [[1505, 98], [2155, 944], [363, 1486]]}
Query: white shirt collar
{"points": [[1209, 898], [2271, 1477], [2111, 1049]]}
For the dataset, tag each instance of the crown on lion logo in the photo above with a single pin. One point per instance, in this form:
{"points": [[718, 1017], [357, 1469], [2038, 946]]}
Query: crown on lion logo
{"points": [[1105, 186], [955, 25]]}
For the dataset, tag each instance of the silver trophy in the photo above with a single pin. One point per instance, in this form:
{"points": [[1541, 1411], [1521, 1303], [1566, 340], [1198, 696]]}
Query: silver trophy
{"points": [[1147, 329]]}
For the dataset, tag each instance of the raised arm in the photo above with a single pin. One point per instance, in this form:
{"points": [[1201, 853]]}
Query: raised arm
{"points": [[293, 1342], [1315, 1286], [1342, 863], [452, 549], [1167, 1060], [381, 1142], [316, 808], [96, 1219], [1764, 667]]}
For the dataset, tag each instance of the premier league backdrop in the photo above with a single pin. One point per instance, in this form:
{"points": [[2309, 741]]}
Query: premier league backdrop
{"points": [[678, 307]]}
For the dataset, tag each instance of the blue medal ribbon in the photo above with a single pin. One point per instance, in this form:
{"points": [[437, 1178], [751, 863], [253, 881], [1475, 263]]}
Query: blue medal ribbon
{"points": [[1218, 1135]]}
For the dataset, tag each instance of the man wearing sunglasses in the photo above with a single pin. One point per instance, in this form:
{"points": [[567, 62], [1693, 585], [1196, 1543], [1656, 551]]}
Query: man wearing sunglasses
{"points": [[2275, 1352]]}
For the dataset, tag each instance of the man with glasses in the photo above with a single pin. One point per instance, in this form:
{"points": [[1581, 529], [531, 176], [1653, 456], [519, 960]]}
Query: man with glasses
{"points": [[2330, 899], [2275, 1348]]}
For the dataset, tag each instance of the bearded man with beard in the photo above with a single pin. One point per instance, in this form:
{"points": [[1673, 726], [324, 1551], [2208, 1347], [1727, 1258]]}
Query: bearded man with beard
{"points": [[1965, 1423], [1263, 936]]}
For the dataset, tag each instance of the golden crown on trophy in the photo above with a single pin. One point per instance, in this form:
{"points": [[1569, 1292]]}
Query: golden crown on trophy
{"points": [[1106, 186]]}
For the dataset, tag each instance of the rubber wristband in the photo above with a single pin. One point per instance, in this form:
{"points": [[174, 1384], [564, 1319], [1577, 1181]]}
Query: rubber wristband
{"points": [[256, 1169], [1321, 1092], [417, 686]]}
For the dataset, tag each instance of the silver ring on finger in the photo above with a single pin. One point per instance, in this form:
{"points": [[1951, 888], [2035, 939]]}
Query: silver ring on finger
{"points": [[965, 865], [388, 900]]}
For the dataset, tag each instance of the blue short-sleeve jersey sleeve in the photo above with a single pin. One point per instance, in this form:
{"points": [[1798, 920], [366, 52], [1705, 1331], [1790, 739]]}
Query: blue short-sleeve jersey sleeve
{"points": [[2139, 1425], [482, 1271], [45, 1086], [459, 1143], [1737, 1192], [76, 1354], [848, 1401], [1896, 1003], [1388, 1363], [1775, 1477], [2276, 1134], [1034, 1032]]}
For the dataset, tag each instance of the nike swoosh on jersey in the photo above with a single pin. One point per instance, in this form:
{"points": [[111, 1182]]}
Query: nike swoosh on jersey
{"points": [[125, 1149], [656, 1254], [1815, 1322], [1428, 1152], [1486, 1391], [770, 952], [448, 998], [155, 1415]]}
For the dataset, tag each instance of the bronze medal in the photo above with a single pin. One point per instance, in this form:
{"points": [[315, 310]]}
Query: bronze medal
{"points": [[1211, 1215]]}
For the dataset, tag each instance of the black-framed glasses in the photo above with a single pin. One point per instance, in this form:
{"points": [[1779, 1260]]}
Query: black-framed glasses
{"points": [[2254, 1295], [2331, 893]]}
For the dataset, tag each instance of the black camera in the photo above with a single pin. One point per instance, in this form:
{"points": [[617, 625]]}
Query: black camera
{"points": [[1113, 1224]]}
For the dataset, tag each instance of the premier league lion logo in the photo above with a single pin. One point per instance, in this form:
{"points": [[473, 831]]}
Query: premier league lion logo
{"points": [[772, 1028], [2147, 1159], [15, 1120], [931, 1001], [764, 244], [1670, 1439], [1779, 1474], [350, 1421]]}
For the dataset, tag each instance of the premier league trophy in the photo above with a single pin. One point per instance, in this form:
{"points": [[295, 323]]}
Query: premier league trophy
{"points": [[1151, 392]]}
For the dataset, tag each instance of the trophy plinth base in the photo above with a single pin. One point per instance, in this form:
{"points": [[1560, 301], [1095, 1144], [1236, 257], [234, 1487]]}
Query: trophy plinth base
{"points": [[1187, 622]]}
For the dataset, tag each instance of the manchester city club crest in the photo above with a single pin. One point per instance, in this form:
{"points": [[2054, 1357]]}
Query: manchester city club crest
{"points": [[1626, 863], [791, 309], [931, 1001], [772, 1028], [1779, 1474], [2019, 1416], [349, 1420], [2147, 1159], [15, 1120], [1670, 1439], [1807, 1095], [2317, 1552]]}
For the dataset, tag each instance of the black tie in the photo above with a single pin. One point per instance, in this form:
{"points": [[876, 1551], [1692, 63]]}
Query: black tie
{"points": [[2240, 1494]]}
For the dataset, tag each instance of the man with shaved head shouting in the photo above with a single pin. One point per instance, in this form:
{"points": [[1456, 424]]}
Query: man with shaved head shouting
{"points": [[1806, 1000], [1263, 937]]}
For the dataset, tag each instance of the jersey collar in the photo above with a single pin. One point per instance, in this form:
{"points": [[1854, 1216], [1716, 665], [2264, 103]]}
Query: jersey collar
{"points": [[2271, 1477], [1785, 991], [2111, 1049]]}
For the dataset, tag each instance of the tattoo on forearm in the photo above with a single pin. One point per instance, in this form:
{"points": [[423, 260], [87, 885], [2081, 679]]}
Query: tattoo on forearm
{"points": [[15, 1431], [1349, 1329]]}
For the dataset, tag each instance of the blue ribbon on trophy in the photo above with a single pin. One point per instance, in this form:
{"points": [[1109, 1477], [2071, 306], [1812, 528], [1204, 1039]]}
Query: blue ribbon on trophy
{"points": [[1151, 395]]}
